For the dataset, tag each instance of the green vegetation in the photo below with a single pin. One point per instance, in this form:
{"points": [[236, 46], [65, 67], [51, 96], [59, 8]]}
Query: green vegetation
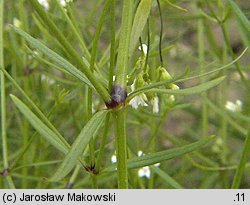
{"points": [[124, 94]]}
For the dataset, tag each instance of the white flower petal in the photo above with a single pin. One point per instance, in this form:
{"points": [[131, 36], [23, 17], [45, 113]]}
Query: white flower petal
{"points": [[175, 87], [133, 86], [234, 107], [138, 100], [157, 164], [144, 48], [62, 2], [139, 153], [144, 172], [113, 159], [44, 3]]}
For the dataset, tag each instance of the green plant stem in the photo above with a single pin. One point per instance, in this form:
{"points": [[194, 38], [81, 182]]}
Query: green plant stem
{"points": [[112, 46], [73, 177], [154, 129], [222, 100], [3, 101], [103, 143], [201, 51], [92, 65], [74, 29], [67, 46], [243, 159], [121, 148]]}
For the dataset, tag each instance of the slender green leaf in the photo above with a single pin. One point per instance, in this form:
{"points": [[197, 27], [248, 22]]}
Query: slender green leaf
{"points": [[54, 57], [188, 91], [3, 121], [166, 178], [139, 23], [240, 17], [157, 157], [79, 145], [175, 6], [33, 105], [124, 41], [76, 58], [41, 128], [224, 67], [74, 30]]}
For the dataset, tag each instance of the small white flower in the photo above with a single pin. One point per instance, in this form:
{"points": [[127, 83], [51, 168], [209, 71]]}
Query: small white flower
{"points": [[144, 172], [139, 153], [139, 99], [44, 3], [47, 79], [62, 2], [144, 48], [113, 159], [234, 107], [155, 103], [16, 22]]}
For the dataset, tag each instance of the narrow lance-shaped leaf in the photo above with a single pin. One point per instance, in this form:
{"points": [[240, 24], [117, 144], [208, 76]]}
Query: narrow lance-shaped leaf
{"points": [[79, 145], [139, 23], [157, 157], [166, 178], [240, 17], [124, 42], [33, 105], [52, 28], [188, 91], [54, 57], [41, 128]]}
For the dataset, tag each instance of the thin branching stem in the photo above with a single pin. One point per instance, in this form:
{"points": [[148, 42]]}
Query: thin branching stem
{"points": [[3, 103]]}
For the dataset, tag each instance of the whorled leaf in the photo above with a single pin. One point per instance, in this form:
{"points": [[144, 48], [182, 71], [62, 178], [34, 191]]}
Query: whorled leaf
{"points": [[79, 145]]}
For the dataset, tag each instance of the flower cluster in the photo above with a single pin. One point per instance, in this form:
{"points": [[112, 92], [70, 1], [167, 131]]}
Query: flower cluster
{"points": [[45, 3], [142, 79], [234, 107]]}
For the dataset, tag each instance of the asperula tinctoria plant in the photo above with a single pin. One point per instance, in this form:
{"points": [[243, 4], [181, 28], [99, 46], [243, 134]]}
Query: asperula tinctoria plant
{"points": [[118, 97]]}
